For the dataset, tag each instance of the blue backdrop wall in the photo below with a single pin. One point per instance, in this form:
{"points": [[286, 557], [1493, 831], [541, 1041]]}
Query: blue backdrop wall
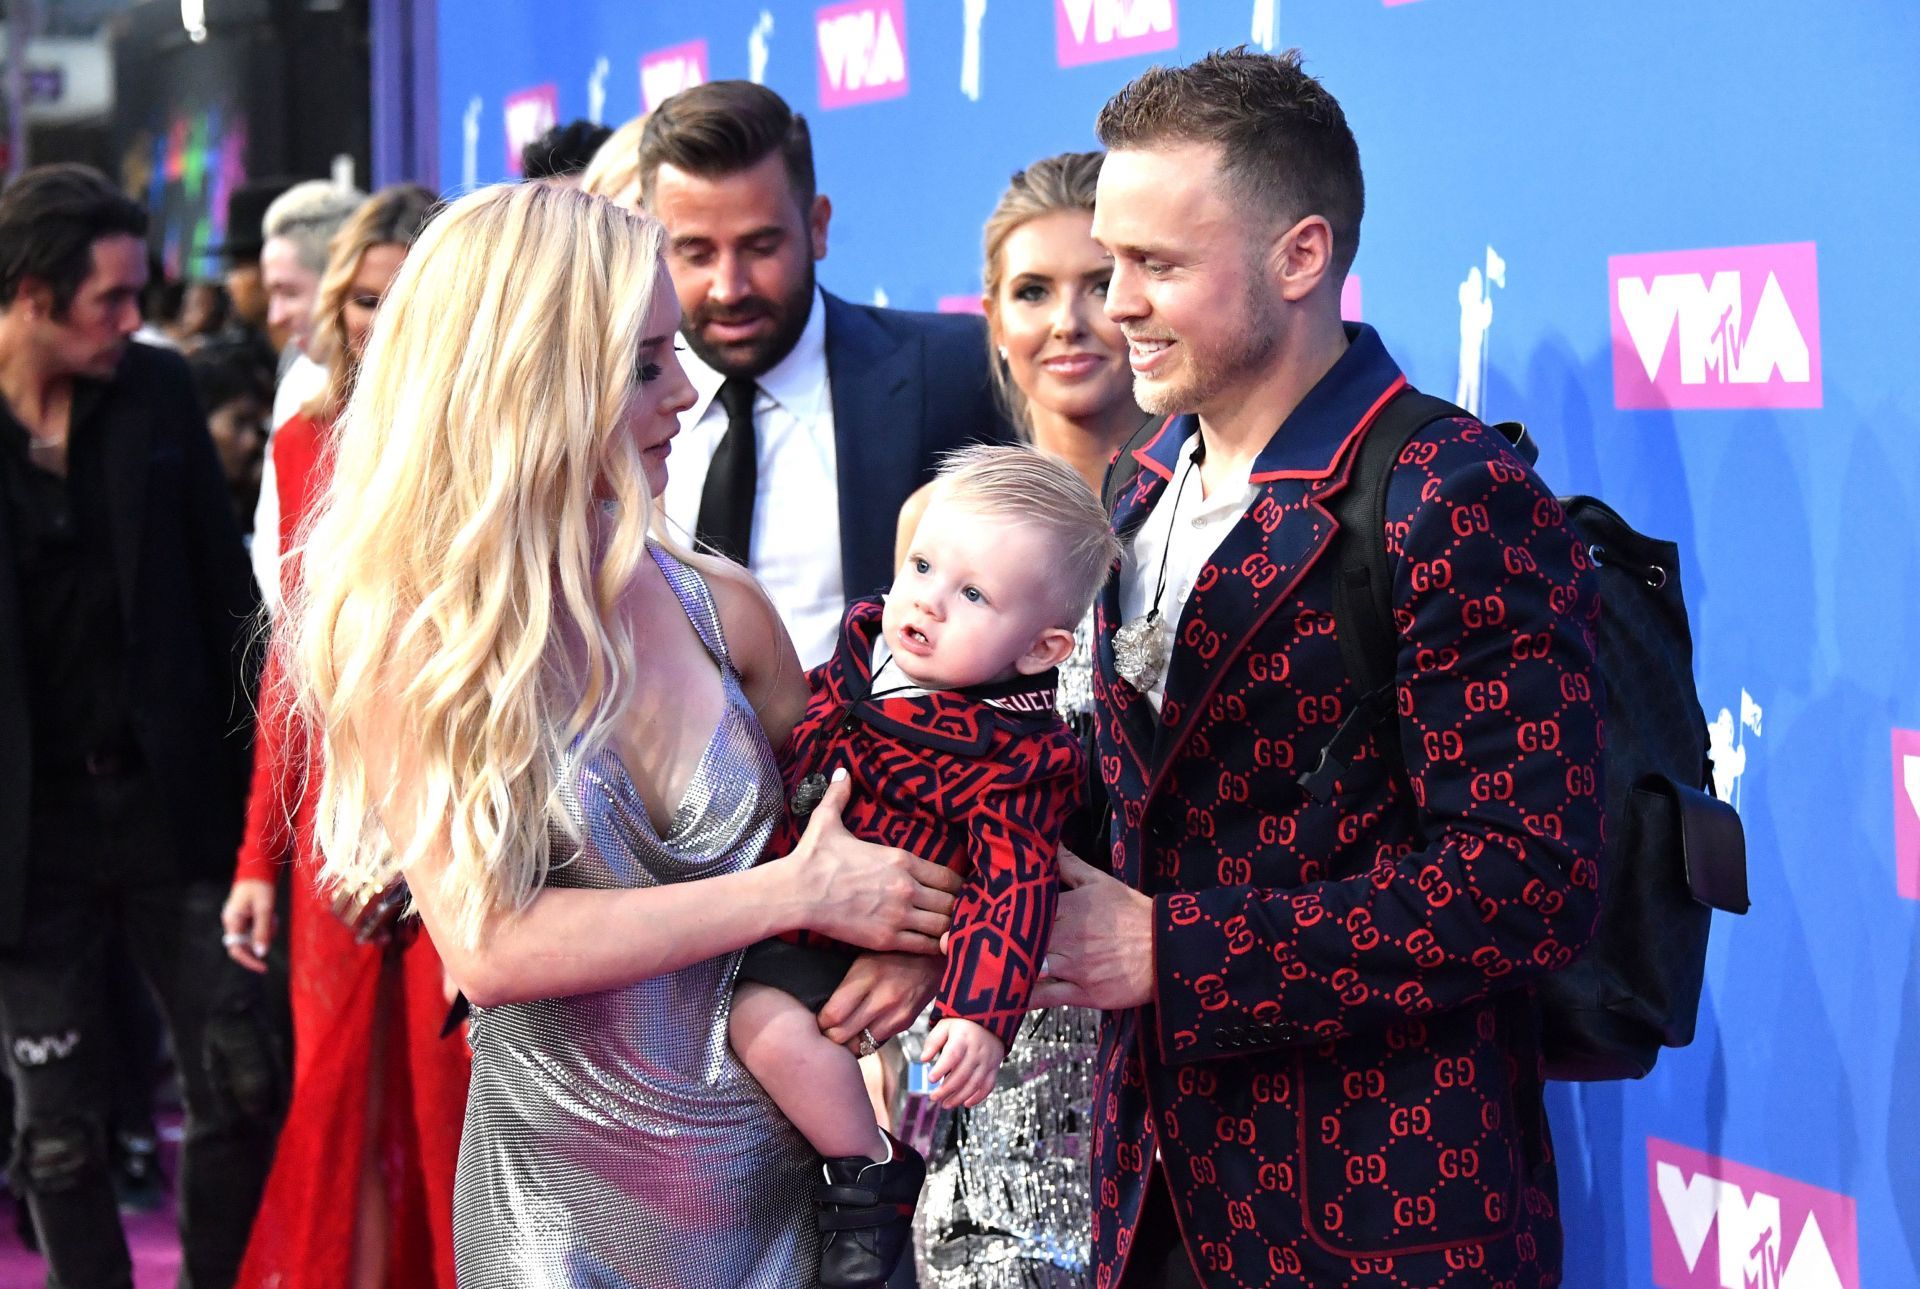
{"points": [[1676, 239]]}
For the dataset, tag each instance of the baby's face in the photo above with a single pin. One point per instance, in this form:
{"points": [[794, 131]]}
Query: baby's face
{"points": [[971, 600]]}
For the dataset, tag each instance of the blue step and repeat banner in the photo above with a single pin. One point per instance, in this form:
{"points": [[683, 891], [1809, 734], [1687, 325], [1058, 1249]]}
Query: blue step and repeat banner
{"points": [[1674, 238]]}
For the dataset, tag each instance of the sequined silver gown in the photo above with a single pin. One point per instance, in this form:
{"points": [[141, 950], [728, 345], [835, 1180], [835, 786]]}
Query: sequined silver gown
{"points": [[612, 1141]]}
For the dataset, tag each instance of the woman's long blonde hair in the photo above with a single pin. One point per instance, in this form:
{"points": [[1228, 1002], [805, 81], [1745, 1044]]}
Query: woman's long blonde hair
{"points": [[486, 514], [614, 172], [393, 216]]}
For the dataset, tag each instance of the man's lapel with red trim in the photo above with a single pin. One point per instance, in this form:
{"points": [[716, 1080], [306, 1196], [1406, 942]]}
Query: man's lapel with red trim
{"points": [[1262, 559], [1132, 715]]}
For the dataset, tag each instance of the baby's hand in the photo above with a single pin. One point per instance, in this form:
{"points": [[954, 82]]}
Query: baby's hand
{"points": [[969, 1059]]}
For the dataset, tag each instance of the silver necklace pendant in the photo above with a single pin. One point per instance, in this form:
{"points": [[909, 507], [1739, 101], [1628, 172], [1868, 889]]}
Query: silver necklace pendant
{"points": [[1141, 649], [807, 794]]}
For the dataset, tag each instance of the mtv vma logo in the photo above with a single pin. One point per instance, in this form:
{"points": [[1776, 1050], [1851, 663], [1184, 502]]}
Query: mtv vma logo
{"points": [[1092, 31], [1768, 1232], [1735, 327], [665, 72], [1906, 811], [863, 52], [529, 113]]}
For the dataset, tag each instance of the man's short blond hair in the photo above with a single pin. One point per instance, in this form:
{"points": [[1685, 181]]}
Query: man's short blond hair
{"points": [[308, 215], [1022, 486]]}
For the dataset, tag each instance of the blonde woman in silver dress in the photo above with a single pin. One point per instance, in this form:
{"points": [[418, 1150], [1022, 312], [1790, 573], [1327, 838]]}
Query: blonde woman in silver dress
{"points": [[1006, 1204], [557, 729]]}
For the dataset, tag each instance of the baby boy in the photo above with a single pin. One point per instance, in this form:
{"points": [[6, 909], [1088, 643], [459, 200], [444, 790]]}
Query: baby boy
{"points": [[938, 702]]}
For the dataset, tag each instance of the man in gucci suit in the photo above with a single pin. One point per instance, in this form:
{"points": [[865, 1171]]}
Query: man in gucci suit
{"points": [[1318, 1064], [816, 417]]}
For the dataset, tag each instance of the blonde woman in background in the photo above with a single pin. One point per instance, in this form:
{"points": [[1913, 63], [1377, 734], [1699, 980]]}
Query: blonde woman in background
{"points": [[553, 726], [1006, 1204], [614, 172]]}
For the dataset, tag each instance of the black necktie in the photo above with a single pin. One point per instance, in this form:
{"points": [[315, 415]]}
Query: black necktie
{"points": [[725, 523]]}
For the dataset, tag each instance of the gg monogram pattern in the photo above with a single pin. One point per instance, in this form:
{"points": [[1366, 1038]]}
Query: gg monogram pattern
{"points": [[1339, 1072], [980, 780]]}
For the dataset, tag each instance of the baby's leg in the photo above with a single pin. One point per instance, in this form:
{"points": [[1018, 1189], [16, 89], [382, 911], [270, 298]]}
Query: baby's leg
{"points": [[815, 1082]]}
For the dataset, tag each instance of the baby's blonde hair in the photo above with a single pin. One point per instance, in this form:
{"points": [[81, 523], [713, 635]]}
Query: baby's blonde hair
{"points": [[1022, 486]]}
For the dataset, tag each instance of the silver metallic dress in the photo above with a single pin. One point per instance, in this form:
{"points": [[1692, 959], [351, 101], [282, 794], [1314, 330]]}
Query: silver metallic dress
{"points": [[1008, 1203], [612, 1141]]}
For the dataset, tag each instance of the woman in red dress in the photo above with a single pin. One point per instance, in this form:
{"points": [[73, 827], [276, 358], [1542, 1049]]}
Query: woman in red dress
{"points": [[378, 1093]]}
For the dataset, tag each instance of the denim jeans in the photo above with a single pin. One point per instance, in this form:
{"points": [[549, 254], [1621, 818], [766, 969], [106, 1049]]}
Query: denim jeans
{"points": [[103, 872]]}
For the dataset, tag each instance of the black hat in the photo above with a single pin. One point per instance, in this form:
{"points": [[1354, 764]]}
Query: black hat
{"points": [[246, 212]]}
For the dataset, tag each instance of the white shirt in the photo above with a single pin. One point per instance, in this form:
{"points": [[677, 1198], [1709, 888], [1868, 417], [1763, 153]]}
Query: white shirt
{"points": [[796, 505], [303, 380], [1184, 528]]}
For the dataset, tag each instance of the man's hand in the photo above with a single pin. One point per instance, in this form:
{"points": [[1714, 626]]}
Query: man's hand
{"points": [[1101, 954], [963, 1059], [881, 994]]}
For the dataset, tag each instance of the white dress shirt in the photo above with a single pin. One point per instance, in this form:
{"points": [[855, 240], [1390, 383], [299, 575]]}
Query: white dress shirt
{"points": [[304, 379], [796, 505], [1184, 528]]}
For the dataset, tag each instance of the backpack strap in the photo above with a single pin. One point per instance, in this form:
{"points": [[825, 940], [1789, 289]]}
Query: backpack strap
{"points": [[1363, 584]]}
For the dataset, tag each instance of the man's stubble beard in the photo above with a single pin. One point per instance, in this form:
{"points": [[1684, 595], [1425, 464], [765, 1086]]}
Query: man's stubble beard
{"points": [[1206, 376], [761, 356]]}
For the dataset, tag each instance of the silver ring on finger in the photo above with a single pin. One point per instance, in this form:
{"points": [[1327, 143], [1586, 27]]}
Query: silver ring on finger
{"points": [[868, 1044], [233, 938]]}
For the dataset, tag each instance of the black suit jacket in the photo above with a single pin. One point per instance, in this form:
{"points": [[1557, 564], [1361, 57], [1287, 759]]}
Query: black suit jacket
{"points": [[906, 388], [189, 605]]}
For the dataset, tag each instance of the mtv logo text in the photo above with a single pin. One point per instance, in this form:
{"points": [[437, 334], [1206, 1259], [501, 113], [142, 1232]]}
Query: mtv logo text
{"points": [[1091, 31], [1735, 327], [862, 52], [1906, 811], [529, 114], [1722, 1225], [665, 72]]}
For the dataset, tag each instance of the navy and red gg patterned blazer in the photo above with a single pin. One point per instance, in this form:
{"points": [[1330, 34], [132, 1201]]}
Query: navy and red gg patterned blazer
{"points": [[1338, 1071], [980, 780]]}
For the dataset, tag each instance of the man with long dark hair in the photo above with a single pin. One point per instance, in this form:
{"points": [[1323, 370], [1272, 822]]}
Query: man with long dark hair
{"points": [[125, 612]]}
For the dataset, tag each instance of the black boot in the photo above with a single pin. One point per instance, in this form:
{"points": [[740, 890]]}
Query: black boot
{"points": [[866, 1215]]}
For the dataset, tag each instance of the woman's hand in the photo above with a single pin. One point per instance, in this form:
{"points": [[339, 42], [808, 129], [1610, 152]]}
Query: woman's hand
{"points": [[876, 897], [880, 996], [247, 920]]}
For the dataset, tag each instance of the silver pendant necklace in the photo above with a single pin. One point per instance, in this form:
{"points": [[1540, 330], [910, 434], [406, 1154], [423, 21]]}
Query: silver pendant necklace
{"points": [[1142, 647]]}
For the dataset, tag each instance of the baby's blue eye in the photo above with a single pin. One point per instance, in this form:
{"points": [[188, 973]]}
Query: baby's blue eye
{"points": [[973, 593], [921, 566]]}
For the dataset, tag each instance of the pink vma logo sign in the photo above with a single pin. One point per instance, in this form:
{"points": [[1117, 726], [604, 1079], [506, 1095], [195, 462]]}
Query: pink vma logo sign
{"points": [[1736, 327], [529, 114], [1906, 811], [1722, 1225], [862, 52], [665, 72], [1091, 31]]}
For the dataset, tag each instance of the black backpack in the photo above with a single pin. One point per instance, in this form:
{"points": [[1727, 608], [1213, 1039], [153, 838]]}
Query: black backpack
{"points": [[1673, 853]]}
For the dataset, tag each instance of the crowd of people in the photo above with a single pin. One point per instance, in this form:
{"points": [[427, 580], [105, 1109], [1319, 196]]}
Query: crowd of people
{"points": [[674, 713]]}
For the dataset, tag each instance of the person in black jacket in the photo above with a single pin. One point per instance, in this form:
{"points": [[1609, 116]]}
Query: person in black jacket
{"points": [[126, 613]]}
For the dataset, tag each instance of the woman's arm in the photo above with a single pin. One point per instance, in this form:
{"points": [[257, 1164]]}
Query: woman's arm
{"points": [[576, 941], [761, 650]]}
